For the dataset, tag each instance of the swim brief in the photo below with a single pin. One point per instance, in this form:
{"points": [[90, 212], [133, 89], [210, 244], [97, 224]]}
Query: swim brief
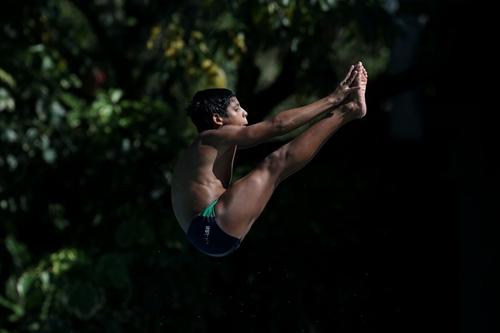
{"points": [[206, 235]]}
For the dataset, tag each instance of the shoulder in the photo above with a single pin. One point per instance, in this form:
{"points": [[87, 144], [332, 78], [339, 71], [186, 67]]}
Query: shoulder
{"points": [[220, 136]]}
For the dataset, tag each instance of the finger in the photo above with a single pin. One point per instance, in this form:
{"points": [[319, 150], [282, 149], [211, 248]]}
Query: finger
{"points": [[353, 77], [348, 75]]}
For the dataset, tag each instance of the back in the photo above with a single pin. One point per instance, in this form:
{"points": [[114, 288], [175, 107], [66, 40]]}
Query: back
{"points": [[201, 174]]}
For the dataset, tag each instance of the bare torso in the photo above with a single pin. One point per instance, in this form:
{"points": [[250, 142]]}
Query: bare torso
{"points": [[202, 173]]}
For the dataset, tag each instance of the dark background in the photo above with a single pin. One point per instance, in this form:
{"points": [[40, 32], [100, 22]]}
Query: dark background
{"points": [[390, 228]]}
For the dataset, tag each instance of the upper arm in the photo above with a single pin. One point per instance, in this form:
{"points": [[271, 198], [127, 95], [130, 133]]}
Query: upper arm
{"points": [[244, 135]]}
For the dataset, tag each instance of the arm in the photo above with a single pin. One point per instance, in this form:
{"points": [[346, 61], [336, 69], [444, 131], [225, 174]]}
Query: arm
{"points": [[283, 122], [291, 119]]}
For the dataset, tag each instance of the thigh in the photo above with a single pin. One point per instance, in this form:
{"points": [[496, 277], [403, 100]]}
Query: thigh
{"points": [[244, 201]]}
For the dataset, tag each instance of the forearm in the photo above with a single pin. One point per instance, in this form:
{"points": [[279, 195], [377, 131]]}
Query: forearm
{"points": [[291, 119]]}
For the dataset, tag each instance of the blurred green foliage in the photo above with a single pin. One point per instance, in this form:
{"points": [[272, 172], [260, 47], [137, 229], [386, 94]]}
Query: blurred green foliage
{"points": [[92, 94]]}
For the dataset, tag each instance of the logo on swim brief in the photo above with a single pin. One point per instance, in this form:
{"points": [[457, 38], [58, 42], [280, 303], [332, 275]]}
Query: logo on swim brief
{"points": [[206, 233]]}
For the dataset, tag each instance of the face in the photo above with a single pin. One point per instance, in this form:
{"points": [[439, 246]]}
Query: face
{"points": [[236, 115]]}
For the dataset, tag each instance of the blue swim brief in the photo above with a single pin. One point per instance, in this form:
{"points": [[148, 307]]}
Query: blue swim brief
{"points": [[206, 235]]}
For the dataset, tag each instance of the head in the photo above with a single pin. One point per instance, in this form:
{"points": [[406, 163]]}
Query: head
{"points": [[216, 107]]}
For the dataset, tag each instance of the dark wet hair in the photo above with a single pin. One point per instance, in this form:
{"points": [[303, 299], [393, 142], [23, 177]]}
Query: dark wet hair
{"points": [[205, 104]]}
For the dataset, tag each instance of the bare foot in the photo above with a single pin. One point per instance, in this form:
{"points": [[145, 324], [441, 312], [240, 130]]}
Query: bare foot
{"points": [[356, 108], [359, 95]]}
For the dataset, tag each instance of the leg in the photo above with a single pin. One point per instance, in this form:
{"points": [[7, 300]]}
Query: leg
{"points": [[245, 200], [303, 148]]}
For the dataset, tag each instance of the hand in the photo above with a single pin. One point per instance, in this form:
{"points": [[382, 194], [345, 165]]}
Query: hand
{"points": [[344, 88]]}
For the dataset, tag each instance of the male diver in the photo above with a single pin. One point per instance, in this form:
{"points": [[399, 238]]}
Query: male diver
{"points": [[215, 214]]}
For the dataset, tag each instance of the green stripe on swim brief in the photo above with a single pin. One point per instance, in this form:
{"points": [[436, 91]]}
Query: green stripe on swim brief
{"points": [[210, 210]]}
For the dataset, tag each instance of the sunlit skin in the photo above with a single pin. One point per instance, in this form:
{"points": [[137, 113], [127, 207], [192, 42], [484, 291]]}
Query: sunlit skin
{"points": [[204, 170]]}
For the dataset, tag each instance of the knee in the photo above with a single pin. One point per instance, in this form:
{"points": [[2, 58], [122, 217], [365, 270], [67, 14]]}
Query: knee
{"points": [[276, 161]]}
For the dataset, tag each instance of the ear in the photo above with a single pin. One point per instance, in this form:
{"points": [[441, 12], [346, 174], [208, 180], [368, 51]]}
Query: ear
{"points": [[217, 119]]}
